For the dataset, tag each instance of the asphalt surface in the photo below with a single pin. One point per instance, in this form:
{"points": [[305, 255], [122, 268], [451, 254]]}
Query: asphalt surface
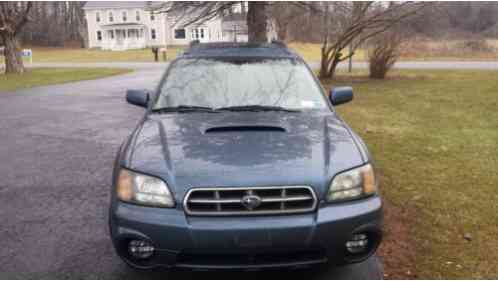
{"points": [[462, 65], [57, 145]]}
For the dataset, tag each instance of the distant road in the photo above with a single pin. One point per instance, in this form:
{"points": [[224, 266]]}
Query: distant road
{"points": [[129, 65], [478, 65]]}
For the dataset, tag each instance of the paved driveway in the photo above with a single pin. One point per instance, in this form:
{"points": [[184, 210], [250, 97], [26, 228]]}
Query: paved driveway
{"points": [[57, 145]]}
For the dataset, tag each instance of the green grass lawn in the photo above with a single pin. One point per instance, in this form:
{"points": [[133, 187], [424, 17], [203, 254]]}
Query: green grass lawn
{"points": [[47, 76], [49, 54], [434, 136], [309, 51]]}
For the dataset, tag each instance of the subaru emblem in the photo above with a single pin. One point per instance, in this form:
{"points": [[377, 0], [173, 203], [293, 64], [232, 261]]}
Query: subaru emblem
{"points": [[251, 201]]}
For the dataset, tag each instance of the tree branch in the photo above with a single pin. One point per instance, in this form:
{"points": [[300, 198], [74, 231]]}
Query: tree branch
{"points": [[24, 17]]}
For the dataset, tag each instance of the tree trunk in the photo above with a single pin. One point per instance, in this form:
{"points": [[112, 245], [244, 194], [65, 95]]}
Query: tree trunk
{"points": [[13, 59], [324, 64], [81, 25], [333, 67], [83, 36], [329, 64], [257, 21], [325, 60], [282, 32]]}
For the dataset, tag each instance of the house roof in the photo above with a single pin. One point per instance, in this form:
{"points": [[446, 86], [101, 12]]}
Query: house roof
{"points": [[92, 5]]}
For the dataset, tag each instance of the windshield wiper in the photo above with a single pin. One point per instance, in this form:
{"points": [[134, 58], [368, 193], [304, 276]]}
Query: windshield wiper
{"points": [[185, 108], [256, 108]]}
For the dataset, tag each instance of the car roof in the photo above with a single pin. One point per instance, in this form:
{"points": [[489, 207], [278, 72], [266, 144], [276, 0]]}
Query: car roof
{"points": [[232, 50]]}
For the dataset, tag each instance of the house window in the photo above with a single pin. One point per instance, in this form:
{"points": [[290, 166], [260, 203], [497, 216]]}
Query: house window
{"points": [[137, 15], [97, 17], [197, 33], [180, 33], [111, 17], [125, 16], [152, 17], [111, 34], [153, 34], [99, 35]]}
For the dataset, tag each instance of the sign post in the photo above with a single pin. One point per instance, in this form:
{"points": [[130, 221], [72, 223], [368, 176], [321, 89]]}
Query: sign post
{"points": [[27, 53], [164, 52]]}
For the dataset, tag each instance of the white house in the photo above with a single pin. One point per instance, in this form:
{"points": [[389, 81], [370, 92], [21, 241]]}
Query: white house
{"points": [[123, 25], [120, 25], [179, 34]]}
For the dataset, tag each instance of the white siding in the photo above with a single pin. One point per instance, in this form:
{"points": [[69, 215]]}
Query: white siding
{"points": [[158, 24], [164, 26], [210, 31], [92, 28]]}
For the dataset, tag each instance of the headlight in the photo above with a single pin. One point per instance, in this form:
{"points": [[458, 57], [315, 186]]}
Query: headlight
{"points": [[142, 189], [353, 184]]}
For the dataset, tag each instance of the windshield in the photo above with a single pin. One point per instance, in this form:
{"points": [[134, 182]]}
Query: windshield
{"points": [[218, 83]]}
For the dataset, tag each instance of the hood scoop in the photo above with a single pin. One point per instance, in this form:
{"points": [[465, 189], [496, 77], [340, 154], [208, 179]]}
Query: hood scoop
{"points": [[244, 128]]}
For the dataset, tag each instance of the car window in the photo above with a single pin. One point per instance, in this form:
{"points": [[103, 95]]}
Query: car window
{"points": [[219, 83]]}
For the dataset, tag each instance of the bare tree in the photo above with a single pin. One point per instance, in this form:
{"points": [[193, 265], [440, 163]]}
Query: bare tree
{"points": [[13, 17], [297, 21], [284, 14], [79, 25], [383, 52], [55, 24], [193, 12], [257, 22], [347, 25]]}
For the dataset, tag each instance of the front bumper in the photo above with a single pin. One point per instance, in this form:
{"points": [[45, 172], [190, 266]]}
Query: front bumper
{"points": [[246, 242]]}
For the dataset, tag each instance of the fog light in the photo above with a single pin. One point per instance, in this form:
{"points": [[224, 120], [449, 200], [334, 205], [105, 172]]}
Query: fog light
{"points": [[358, 243], [140, 249]]}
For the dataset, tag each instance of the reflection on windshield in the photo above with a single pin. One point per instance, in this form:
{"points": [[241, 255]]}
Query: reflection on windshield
{"points": [[221, 83]]}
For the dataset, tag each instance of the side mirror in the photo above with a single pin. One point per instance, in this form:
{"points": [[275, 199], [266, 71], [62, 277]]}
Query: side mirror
{"points": [[137, 97], [340, 95]]}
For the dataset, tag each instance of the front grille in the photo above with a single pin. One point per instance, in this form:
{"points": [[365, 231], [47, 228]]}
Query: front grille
{"points": [[263, 200]]}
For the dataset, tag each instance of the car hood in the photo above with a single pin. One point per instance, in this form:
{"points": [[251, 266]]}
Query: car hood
{"points": [[242, 149]]}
